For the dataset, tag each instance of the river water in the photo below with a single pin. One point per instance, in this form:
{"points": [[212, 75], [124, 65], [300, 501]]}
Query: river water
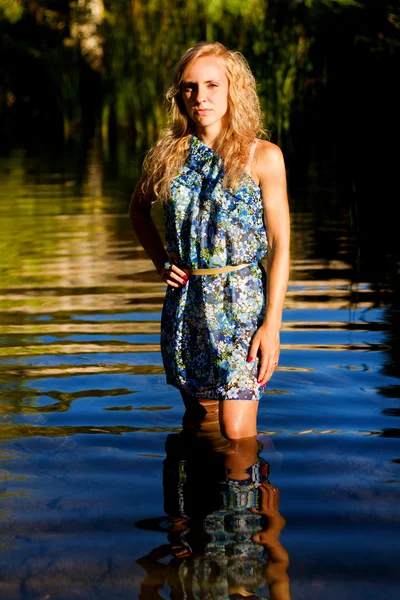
{"points": [[102, 494]]}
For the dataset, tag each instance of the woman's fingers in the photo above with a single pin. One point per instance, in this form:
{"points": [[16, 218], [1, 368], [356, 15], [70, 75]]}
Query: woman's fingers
{"points": [[263, 370], [267, 368], [266, 371], [269, 499], [255, 511], [273, 500], [175, 277], [179, 272], [266, 345], [254, 346]]}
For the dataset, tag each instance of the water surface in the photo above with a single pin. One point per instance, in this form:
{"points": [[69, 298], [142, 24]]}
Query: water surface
{"points": [[89, 429]]}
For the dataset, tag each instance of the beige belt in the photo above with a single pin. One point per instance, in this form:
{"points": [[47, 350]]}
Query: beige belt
{"points": [[218, 270]]}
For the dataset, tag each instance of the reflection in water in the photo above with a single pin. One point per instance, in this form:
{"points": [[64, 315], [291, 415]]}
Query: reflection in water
{"points": [[84, 408], [223, 520]]}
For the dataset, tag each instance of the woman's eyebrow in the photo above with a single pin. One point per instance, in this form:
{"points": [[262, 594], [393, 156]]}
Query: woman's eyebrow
{"points": [[195, 82]]}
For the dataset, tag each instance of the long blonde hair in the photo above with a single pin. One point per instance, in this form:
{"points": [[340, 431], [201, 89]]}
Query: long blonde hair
{"points": [[245, 122]]}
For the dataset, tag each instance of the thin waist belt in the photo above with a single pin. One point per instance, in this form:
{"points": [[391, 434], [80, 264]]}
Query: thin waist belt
{"points": [[218, 270]]}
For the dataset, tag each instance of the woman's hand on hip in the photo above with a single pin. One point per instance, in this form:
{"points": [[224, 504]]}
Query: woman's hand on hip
{"points": [[266, 345], [173, 275]]}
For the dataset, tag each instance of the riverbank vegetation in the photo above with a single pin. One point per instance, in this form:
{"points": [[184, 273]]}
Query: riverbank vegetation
{"points": [[104, 64]]}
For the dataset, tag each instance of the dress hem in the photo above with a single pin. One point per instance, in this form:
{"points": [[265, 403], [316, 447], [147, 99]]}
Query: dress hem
{"points": [[214, 396]]}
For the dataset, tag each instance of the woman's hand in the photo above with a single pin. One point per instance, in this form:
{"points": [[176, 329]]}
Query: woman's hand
{"points": [[173, 275], [269, 506], [266, 344], [269, 500]]}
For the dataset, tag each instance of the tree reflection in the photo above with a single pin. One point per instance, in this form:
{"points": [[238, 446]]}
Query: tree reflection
{"points": [[223, 520]]}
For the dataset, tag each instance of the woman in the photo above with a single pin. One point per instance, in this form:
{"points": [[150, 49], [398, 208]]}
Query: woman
{"points": [[224, 196]]}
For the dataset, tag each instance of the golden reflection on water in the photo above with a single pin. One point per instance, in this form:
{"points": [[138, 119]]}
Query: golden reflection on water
{"points": [[70, 249], [67, 348], [32, 431], [70, 252], [29, 431]]}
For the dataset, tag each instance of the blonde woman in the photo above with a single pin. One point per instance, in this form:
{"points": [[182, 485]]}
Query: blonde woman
{"points": [[225, 205]]}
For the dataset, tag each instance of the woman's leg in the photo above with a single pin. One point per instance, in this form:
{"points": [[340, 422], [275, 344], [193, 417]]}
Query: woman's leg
{"points": [[238, 418], [195, 412], [243, 453]]}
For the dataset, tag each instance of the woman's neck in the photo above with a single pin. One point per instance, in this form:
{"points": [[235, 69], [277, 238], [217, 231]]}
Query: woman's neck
{"points": [[208, 136]]}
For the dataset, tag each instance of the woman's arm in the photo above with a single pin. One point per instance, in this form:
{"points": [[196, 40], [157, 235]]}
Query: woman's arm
{"points": [[270, 170], [148, 235], [278, 558]]}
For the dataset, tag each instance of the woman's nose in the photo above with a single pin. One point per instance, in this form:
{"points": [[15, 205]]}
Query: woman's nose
{"points": [[200, 95]]}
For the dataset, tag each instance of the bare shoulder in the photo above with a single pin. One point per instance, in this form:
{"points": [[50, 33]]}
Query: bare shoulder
{"points": [[271, 174], [268, 155], [269, 163]]}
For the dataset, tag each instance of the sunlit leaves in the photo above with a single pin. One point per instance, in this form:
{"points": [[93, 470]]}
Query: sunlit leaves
{"points": [[11, 10], [249, 10]]}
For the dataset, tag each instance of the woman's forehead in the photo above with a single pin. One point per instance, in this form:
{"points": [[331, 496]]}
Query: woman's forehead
{"points": [[204, 68]]}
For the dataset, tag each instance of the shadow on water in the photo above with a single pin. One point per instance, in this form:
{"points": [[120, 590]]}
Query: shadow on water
{"points": [[103, 493]]}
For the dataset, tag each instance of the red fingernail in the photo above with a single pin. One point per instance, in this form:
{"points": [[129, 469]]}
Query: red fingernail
{"points": [[250, 359], [259, 381]]}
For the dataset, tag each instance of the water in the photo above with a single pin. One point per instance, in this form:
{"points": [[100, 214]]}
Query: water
{"points": [[90, 440]]}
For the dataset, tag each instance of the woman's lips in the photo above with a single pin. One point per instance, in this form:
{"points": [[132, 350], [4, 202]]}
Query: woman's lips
{"points": [[202, 111]]}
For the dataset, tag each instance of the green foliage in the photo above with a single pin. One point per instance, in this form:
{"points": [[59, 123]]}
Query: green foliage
{"points": [[250, 11], [115, 69], [140, 51], [11, 10]]}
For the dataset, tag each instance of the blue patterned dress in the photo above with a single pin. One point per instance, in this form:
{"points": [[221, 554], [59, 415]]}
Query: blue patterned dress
{"points": [[207, 325]]}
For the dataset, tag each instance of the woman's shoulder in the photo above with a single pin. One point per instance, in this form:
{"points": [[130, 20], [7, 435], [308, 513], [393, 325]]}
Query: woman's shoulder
{"points": [[268, 157], [266, 150], [268, 160]]}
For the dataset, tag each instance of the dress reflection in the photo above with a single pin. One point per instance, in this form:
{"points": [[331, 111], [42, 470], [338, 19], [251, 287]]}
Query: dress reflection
{"points": [[223, 519]]}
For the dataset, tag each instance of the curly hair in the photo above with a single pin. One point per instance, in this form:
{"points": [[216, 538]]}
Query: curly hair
{"points": [[245, 122]]}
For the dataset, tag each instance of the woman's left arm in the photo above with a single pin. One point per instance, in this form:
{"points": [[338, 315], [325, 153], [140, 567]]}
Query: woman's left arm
{"points": [[270, 169]]}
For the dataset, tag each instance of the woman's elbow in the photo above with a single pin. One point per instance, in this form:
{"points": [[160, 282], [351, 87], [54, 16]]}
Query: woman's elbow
{"points": [[138, 213]]}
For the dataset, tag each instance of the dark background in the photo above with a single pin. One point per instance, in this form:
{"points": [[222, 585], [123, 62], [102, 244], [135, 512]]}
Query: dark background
{"points": [[72, 71]]}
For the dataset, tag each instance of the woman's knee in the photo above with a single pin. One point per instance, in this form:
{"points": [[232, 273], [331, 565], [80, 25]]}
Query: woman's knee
{"points": [[238, 419], [231, 431], [234, 430]]}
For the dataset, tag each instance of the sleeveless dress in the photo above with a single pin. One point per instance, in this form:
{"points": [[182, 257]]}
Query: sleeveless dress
{"points": [[208, 324]]}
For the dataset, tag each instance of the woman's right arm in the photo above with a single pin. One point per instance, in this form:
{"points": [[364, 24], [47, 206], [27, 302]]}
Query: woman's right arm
{"points": [[148, 235]]}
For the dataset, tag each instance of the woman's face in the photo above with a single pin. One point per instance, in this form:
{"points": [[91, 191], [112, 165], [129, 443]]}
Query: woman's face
{"points": [[204, 91]]}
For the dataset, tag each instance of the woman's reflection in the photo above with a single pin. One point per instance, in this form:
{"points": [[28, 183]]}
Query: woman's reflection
{"points": [[223, 519]]}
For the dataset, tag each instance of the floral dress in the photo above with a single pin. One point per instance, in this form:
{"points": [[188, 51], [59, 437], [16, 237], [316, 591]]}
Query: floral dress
{"points": [[207, 325]]}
